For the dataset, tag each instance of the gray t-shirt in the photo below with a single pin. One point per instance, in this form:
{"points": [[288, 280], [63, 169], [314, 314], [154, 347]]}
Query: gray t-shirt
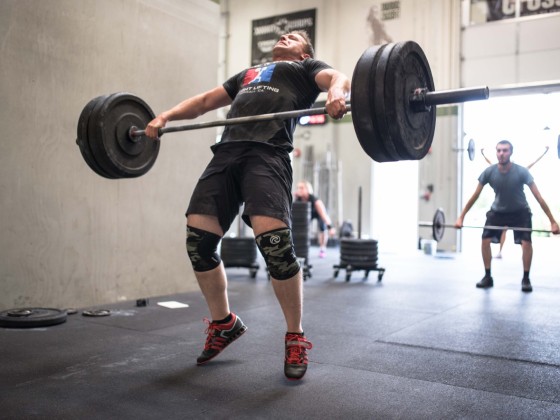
{"points": [[508, 187]]}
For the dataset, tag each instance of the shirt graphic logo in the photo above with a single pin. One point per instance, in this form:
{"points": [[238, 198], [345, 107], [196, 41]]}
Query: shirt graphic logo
{"points": [[259, 74]]}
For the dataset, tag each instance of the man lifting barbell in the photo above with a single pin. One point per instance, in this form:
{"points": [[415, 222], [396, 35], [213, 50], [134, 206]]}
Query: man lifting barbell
{"points": [[251, 164], [393, 105], [510, 208], [529, 166]]}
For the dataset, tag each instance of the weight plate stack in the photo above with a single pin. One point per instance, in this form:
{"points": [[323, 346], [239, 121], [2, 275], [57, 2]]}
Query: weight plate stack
{"points": [[364, 90], [83, 137], [358, 252], [240, 252], [301, 216]]}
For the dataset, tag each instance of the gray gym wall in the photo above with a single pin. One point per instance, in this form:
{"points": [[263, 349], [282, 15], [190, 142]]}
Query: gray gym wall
{"points": [[68, 237]]}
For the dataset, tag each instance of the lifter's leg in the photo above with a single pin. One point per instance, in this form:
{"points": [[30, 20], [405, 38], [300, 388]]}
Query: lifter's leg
{"points": [[527, 256], [275, 243], [288, 292], [486, 253], [212, 283], [203, 236], [487, 280]]}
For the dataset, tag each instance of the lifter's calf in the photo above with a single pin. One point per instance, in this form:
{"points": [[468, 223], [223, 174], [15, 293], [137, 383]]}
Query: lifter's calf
{"points": [[209, 270]]}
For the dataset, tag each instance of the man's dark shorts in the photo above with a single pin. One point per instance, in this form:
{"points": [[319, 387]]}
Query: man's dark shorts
{"points": [[521, 218], [256, 174]]}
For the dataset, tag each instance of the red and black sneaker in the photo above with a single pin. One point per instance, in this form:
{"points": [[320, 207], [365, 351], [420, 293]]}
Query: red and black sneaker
{"points": [[295, 363], [219, 337]]}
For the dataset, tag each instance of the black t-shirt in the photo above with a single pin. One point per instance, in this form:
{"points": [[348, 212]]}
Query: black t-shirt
{"points": [[269, 88]]}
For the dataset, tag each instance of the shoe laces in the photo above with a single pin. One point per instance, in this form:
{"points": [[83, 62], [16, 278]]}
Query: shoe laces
{"points": [[213, 340], [296, 349]]}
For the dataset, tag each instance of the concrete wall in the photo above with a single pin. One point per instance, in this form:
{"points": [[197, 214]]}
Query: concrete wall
{"points": [[69, 238]]}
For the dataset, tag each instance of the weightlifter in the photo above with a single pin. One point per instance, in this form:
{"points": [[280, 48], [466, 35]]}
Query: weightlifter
{"points": [[251, 165], [510, 208], [503, 237]]}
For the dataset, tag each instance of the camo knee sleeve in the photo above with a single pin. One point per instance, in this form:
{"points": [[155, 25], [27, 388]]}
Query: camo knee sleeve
{"points": [[201, 247], [277, 249]]}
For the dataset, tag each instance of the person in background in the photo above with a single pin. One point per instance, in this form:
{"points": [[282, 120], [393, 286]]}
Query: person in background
{"points": [[304, 192], [503, 236], [510, 208]]}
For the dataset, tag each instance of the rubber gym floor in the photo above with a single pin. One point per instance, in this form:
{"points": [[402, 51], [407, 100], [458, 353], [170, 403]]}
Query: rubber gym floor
{"points": [[423, 343]]}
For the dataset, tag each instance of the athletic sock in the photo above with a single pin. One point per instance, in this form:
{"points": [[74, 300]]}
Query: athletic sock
{"points": [[225, 320]]}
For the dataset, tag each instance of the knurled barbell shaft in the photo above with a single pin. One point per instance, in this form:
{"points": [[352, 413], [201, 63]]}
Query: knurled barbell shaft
{"points": [[521, 229], [418, 100], [240, 120]]}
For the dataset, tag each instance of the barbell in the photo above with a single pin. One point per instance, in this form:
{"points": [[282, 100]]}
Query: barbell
{"points": [[438, 226], [393, 105]]}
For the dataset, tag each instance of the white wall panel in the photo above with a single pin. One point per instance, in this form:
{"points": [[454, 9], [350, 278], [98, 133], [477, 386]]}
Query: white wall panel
{"points": [[490, 71], [512, 51], [540, 34], [487, 41], [539, 66]]}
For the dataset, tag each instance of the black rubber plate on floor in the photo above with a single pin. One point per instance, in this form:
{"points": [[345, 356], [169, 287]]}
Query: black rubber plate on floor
{"points": [[31, 317]]}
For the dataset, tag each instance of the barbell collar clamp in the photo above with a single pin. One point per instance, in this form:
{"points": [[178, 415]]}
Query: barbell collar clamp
{"points": [[421, 100]]}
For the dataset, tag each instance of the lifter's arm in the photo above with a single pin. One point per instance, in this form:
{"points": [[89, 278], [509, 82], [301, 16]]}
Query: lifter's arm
{"points": [[189, 109], [337, 86]]}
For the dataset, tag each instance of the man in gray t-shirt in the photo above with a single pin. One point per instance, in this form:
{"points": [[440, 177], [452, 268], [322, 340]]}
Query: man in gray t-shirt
{"points": [[510, 208]]}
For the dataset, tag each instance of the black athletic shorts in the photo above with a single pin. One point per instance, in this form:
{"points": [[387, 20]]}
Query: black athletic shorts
{"points": [[256, 174], [521, 218], [321, 225]]}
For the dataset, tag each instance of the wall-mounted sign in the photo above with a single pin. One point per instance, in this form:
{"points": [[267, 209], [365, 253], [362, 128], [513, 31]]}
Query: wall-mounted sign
{"points": [[266, 32], [507, 9]]}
